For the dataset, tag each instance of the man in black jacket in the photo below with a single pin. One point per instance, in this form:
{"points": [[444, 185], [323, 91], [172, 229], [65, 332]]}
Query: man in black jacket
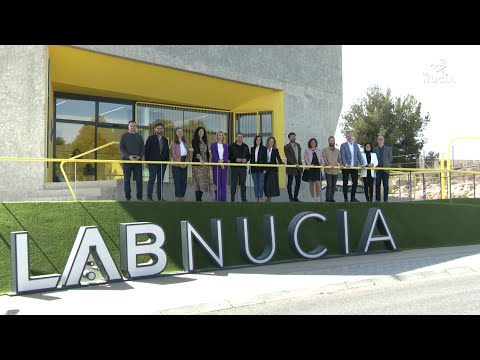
{"points": [[156, 149], [238, 153]]}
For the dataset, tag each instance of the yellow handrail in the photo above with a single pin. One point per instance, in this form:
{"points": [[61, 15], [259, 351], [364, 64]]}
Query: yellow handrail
{"points": [[79, 156], [443, 172]]}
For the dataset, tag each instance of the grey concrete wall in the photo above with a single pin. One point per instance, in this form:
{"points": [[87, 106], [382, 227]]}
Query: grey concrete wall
{"points": [[22, 116], [310, 75]]}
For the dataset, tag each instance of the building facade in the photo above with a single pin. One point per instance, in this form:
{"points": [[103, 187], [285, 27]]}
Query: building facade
{"points": [[61, 101]]}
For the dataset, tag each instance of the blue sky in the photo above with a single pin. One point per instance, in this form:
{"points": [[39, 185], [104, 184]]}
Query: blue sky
{"points": [[444, 78]]}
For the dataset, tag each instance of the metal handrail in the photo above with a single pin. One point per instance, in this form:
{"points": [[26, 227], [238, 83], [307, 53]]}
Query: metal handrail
{"points": [[76, 159], [79, 156]]}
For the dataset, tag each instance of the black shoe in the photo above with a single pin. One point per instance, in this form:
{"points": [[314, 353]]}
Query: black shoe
{"points": [[162, 199], [346, 200], [354, 200], [150, 198], [332, 200], [128, 199], [327, 200], [296, 200], [245, 200], [140, 199]]}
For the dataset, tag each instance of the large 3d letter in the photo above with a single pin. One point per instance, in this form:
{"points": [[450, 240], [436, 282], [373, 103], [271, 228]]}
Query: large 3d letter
{"points": [[376, 219], [189, 232], [21, 280], [268, 238], [293, 235], [342, 232], [89, 241], [129, 249]]}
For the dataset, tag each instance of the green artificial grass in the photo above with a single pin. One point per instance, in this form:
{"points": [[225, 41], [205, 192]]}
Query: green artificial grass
{"points": [[53, 227]]}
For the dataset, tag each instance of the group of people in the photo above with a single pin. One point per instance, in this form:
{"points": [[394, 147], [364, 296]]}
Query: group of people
{"points": [[265, 178], [381, 156]]}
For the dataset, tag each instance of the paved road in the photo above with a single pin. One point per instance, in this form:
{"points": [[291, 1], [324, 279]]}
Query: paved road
{"points": [[442, 295]]}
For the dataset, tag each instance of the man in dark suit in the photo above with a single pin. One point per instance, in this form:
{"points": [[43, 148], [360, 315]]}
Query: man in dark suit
{"points": [[351, 157], [385, 157], [293, 153], [156, 149]]}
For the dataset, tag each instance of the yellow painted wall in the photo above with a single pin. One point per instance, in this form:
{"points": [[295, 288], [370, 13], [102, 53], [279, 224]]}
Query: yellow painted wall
{"points": [[271, 102], [89, 73]]}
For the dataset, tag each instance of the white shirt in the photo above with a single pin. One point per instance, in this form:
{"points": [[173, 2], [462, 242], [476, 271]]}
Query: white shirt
{"points": [[257, 148], [269, 154], [295, 152], [183, 150], [351, 152], [220, 151]]}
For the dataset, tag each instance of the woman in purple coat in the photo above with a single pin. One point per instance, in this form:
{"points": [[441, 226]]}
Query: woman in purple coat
{"points": [[219, 152]]}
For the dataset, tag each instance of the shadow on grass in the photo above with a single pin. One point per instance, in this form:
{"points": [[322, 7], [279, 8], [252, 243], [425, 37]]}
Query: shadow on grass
{"points": [[33, 240], [5, 241], [99, 226]]}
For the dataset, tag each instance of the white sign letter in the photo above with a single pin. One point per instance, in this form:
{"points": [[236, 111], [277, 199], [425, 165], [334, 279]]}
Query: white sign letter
{"points": [[129, 249]]}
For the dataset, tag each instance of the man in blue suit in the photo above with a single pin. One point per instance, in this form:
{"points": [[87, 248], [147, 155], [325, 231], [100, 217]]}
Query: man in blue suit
{"points": [[350, 154]]}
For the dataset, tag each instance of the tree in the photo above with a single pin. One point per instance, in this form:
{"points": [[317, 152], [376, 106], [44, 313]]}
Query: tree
{"points": [[399, 120], [59, 140], [431, 159]]}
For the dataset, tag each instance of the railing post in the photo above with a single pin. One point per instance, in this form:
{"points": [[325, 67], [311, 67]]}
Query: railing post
{"points": [[414, 186], [450, 185], [410, 185], [75, 164], [474, 187], [400, 185], [424, 189], [321, 181]]}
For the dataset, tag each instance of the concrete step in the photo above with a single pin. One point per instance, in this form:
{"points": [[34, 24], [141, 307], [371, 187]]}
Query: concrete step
{"points": [[89, 192], [83, 184], [57, 198]]}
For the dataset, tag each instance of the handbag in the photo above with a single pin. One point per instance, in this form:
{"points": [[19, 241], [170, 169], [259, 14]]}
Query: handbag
{"points": [[306, 175]]}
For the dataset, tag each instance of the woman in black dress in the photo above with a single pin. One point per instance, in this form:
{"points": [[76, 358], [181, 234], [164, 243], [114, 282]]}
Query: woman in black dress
{"points": [[313, 156], [271, 184]]}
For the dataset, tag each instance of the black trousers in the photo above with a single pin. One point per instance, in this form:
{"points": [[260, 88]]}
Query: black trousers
{"points": [[368, 187], [179, 180], [354, 174], [238, 175], [298, 180], [137, 176], [156, 172], [381, 176], [331, 186]]}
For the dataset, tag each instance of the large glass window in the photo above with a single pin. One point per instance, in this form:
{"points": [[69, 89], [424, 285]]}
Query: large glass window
{"points": [[70, 140], [75, 110], [109, 171], [84, 124], [187, 118], [114, 113]]}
